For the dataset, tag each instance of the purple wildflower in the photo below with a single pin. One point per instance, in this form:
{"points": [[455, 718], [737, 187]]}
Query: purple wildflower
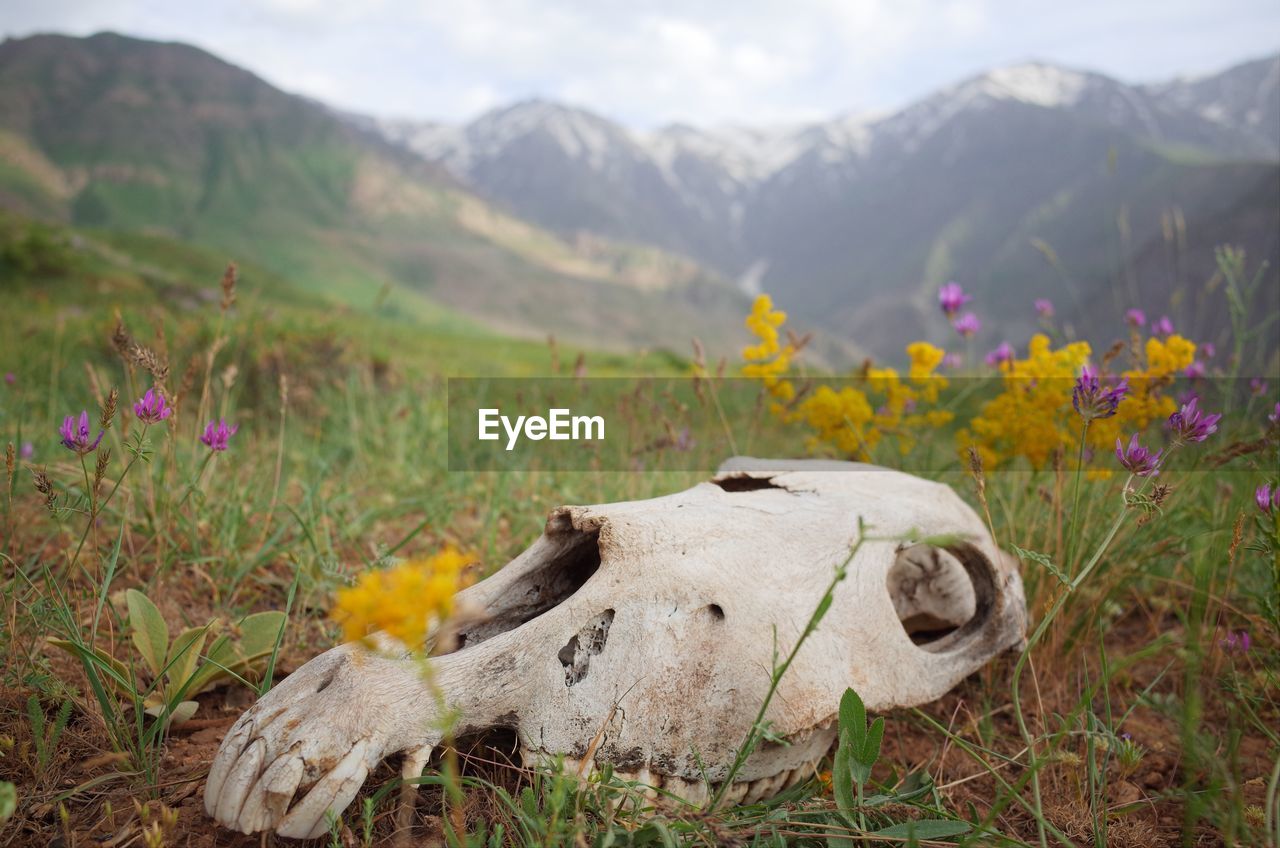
{"points": [[1163, 327], [1135, 318], [1274, 417], [1044, 307], [27, 450], [76, 438], [967, 324], [1265, 499], [1236, 643], [152, 409], [1136, 459], [1094, 400], [1189, 424], [1208, 350], [952, 361], [1258, 386], [1195, 370], [216, 435], [1002, 354], [10, 377], [951, 297]]}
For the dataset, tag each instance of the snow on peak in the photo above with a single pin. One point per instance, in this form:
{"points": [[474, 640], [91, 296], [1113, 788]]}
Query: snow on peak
{"points": [[1035, 83], [581, 135]]}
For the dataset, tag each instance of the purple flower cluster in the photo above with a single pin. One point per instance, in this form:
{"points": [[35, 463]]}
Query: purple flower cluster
{"points": [[152, 409], [1267, 499], [1163, 327], [1044, 308], [76, 435], [1002, 354], [967, 324], [1092, 399], [1135, 318], [217, 434], [951, 298], [1236, 642], [1136, 459], [1189, 424]]}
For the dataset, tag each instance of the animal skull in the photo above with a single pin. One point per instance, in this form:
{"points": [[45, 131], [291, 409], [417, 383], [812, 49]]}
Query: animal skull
{"points": [[666, 609]]}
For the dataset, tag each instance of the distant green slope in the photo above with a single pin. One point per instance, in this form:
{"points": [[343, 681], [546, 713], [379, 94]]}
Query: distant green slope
{"points": [[122, 135]]}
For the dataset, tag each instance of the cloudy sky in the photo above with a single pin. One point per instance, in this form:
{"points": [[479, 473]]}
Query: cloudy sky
{"points": [[649, 63]]}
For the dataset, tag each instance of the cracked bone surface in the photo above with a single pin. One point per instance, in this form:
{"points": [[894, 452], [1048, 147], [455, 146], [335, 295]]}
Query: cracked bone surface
{"points": [[666, 609]]}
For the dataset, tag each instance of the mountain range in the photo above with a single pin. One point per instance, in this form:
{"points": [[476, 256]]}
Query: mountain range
{"points": [[539, 218], [1031, 180]]}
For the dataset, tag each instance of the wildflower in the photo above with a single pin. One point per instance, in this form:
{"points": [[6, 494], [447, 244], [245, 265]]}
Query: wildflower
{"points": [[405, 601], [1163, 327], [1136, 459], [1274, 417], [10, 377], [217, 435], [951, 361], [1258, 386], [1195, 370], [951, 297], [1265, 499], [1208, 350], [967, 324], [1236, 643], [1135, 318], [1092, 400], [1044, 307], [76, 437], [1002, 354], [1189, 424], [27, 450], [152, 409]]}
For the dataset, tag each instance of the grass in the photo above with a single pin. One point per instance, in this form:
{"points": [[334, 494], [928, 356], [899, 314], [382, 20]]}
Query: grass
{"points": [[1138, 718]]}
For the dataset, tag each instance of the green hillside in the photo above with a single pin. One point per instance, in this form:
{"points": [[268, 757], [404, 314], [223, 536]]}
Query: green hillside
{"points": [[119, 135]]}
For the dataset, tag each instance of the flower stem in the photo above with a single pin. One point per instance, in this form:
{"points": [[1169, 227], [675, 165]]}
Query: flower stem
{"points": [[1074, 527]]}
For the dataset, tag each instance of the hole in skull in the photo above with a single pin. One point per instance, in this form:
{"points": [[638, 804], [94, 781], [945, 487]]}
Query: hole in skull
{"points": [[565, 571], [745, 483], [717, 611], [932, 593], [576, 655]]}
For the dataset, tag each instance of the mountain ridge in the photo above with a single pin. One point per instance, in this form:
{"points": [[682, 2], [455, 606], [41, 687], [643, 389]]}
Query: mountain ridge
{"points": [[829, 216]]}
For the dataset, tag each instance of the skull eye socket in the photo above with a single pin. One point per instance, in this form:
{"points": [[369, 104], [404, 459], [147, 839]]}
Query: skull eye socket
{"points": [[933, 594], [566, 568]]}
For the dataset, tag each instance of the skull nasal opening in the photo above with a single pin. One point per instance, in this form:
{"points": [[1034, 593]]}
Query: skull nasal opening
{"points": [[569, 563], [933, 594]]}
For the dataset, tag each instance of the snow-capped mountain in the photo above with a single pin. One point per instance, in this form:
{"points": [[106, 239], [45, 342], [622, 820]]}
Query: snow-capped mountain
{"points": [[973, 181]]}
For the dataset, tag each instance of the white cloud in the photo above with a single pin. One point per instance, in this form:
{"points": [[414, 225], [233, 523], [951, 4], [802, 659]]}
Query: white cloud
{"points": [[697, 61]]}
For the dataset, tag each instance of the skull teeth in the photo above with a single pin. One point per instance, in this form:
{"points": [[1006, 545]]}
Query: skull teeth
{"points": [[694, 792]]}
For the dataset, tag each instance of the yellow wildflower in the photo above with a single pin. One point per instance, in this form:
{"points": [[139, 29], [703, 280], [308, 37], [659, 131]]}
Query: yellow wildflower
{"points": [[406, 601]]}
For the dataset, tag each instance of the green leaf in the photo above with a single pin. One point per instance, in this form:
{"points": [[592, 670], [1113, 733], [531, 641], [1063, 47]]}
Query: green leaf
{"points": [[842, 779], [853, 718], [871, 747], [150, 633], [8, 800], [184, 655], [259, 631], [925, 829]]}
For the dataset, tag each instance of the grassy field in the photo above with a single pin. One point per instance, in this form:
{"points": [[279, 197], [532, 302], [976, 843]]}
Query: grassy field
{"points": [[1147, 704]]}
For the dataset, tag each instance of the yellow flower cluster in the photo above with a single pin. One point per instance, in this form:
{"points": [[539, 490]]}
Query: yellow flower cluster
{"points": [[769, 359], [405, 601], [1033, 417], [845, 417]]}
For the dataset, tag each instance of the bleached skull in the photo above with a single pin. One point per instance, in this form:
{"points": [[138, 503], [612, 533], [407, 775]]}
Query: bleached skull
{"points": [[642, 634]]}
